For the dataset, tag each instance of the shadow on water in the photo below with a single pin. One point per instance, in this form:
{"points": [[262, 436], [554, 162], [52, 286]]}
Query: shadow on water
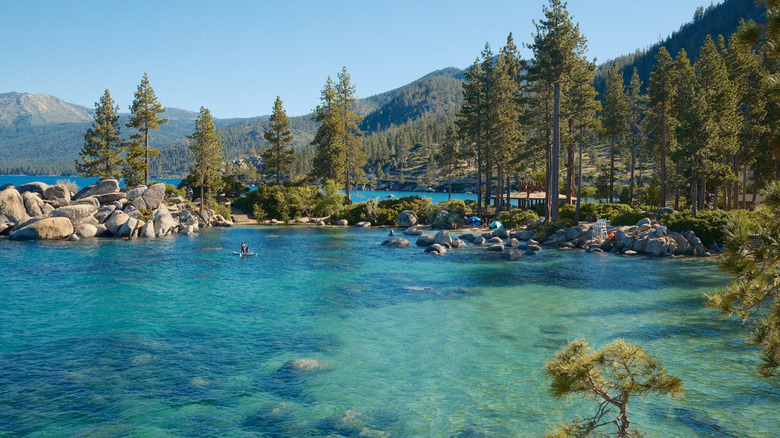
{"points": [[702, 423]]}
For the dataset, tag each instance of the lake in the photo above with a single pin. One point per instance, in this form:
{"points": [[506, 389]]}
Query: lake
{"points": [[357, 195], [180, 337]]}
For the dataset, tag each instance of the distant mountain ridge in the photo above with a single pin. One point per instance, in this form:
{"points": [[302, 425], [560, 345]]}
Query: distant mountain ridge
{"points": [[39, 109]]}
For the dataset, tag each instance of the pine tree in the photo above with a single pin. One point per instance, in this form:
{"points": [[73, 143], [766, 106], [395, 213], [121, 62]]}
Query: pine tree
{"points": [[471, 119], [661, 120], [354, 155], [329, 153], [557, 46], [449, 156], [278, 157], [143, 117], [580, 111], [103, 146], [750, 78], [614, 118], [206, 148], [636, 109], [610, 376]]}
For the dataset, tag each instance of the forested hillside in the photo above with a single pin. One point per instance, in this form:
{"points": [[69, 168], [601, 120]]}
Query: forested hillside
{"points": [[721, 19]]}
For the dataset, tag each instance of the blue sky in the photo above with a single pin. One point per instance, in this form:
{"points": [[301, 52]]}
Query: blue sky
{"points": [[235, 57]]}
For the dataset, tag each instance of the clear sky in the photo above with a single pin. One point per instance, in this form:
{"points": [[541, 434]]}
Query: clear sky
{"points": [[235, 57]]}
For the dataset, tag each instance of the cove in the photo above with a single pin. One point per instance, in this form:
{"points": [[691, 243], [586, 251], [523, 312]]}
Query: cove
{"points": [[179, 337]]}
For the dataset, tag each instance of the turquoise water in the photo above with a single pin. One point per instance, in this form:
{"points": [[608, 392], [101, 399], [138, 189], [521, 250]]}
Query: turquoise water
{"points": [[179, 337]]}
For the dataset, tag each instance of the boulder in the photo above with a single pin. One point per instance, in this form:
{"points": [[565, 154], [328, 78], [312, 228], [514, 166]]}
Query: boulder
{"points": [[60, 191], [630, 252], [494, 241], [425, 241], [89, 200], [396, 242], [99, 188], [163, 222], [35, 187], [468, 237], [341, 222], [567, 245], [73, 238], [441, 221], [532, 247], [5, 226], [479, 240], [496, 248], [576, 232], [643, 224], [487, 236], [46, 209], [76, 213], [127, 229], [115, 221], [639, 245], [414, 231], [320, 223], [626, 241], [595, 250], [32, 204], [138, 203], [655, 246], [102, 231], [154, 195], [438, 249], [664, 210], [501, 233], [456, 221], [406, 219], [524, 235], [86, 231], [363, 224], [302, 366], [189, 229], [457, 243], [175, 199], [514, 255], [108, 198], [135, 192], [48, 228], [513, 243], [104, 212], [12, 206], [442, 237], [683, 246], [147, 230], [7, 186]]}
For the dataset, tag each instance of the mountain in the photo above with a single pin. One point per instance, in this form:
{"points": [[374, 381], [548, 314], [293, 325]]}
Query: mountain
{"points": [[721, 19], [39, 109]]}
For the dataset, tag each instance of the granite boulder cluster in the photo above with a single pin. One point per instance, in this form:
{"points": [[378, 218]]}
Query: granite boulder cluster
{"points": [[37, 211]]}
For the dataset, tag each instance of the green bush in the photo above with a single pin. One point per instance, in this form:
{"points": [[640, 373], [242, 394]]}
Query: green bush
{"points": [[627, 218], [542, 230], [517, 218], [221, 209], [709, 225], [171, 189], [453, 206], [353, 213], [281, 202]]}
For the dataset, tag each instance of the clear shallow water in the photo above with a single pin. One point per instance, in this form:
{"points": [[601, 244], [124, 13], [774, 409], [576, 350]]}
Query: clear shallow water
{"points": [[179, 337]]}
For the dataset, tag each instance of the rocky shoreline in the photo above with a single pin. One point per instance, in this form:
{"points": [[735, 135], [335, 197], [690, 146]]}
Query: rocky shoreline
{"points": [[647, 237], [37, 211]]}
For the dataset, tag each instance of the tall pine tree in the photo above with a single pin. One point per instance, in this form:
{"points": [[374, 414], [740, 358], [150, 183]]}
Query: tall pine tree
{"points": [[614, 118], [206, 148], [557, 46], [143, 117], [636, 109], [354, 155], [662, 123], [278, 157], [102, 151]]}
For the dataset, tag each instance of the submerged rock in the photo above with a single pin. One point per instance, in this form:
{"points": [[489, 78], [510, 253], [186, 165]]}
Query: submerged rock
{"points": [[396, 242]]}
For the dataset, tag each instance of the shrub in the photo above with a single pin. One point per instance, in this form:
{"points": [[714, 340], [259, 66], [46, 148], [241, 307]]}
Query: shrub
{"points": [[221, 209], [281, 202], [542, 230], [258, 212], [171, 189], [518, 218], [72, 186], [627, 218], [353, 213], [453, 206], [709, 225], [332, 201]]}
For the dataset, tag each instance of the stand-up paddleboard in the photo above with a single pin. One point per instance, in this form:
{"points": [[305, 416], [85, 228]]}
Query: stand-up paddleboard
{"points": [[244, 254]]}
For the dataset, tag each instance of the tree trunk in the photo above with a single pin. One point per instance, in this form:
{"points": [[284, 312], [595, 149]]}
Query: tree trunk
{"points": [[677, 188], [631, 184], [623, 423], [663, 154], [612, 171], [570, 163], [479, 176], [146, 151], [555, 152], [693, 188], [579, 186]]}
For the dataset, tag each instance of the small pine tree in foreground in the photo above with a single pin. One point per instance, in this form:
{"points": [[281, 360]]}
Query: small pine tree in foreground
{"points": [[609, 376], [101, 154]]}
